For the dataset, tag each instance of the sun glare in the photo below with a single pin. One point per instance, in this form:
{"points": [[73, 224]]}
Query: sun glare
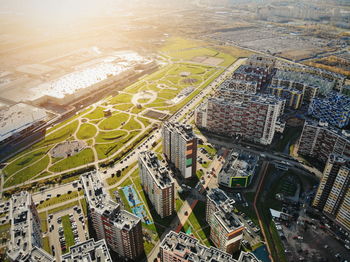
{"points": [[61, 12]]}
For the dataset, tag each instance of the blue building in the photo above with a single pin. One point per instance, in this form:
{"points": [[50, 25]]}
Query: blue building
{"points": [[334, 109]]}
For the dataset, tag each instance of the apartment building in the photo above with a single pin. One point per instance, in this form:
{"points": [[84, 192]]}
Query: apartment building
{"points": [[337, 79], [180, 247], [239, 170], [252, 74], [334, 109], [311, 85], [121, 229], [332, 196], [226, 230], [319, 141], [253, 117], [293, 97], [180, 147], [90, 251], [240, 85], [157, 183], [26, 240], [264, 62]]}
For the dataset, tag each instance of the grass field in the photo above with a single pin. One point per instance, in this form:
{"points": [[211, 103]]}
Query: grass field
{"points": [[68, 233], [106, 136]]}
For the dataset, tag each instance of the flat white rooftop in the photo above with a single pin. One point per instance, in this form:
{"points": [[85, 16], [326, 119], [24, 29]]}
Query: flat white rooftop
{"points": [[16, 118]]}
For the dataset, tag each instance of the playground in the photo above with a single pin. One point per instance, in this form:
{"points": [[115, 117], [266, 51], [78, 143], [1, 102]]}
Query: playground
{"points": [[136, 205]]}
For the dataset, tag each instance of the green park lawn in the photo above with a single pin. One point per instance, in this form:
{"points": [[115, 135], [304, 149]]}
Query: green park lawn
{"points": [[86, 131], [114, 121], [110, 136], [68, 233], [115, 131], [84, 157]]}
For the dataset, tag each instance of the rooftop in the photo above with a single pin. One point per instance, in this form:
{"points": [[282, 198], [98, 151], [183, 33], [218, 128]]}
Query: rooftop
{"points": [[161, 176], [16, 118], [240, 164], [225, 209], [22, 246], [88, 251], [99, 200], [189, 249], [185, 131]]}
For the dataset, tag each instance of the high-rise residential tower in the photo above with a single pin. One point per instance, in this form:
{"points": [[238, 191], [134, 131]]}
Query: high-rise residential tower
{"points": [[332, 196], [180, 147], [157, 183], [121, 229]]}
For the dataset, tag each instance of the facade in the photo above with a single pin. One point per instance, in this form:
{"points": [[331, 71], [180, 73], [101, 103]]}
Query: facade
{"points": [[254, 117], [335, 109], [18, 119], [240, 85], [293, 97], [226, 230], [26, 240], [252, 74], [89, 251], [121, 229], [157, 183], [264, 62], [180, 147], [319, 141], [332, 196], [238, 171], [311, 85], [182, 248]]}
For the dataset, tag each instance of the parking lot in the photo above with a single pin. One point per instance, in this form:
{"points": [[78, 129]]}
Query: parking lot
{"points": [[310, 240], [69, 223]]}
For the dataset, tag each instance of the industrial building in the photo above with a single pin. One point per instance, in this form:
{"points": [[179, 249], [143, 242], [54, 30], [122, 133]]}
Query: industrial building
{"points": [[319, 140], [26, 240], [226, 230], [239, 170], [19, 119], [180, 147], [334, 109], [157, 183], [89, 251], [121, 229], [333, 194], [181, 247]]}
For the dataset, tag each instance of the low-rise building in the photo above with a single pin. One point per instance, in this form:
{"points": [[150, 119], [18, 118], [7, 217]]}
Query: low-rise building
{"points": [[226, 230], [25, 244], [121, 229], [319, 140], [181, 248], [157, 183], [180, 147], [239, 170], [334, 109], [89, 251]]}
